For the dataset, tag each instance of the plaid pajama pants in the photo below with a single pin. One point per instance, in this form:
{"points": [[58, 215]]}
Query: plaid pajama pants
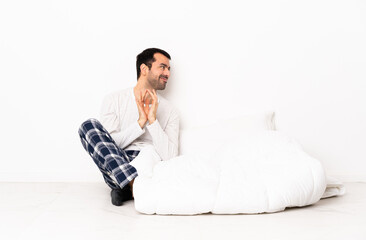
{"points": [[111, 160]]}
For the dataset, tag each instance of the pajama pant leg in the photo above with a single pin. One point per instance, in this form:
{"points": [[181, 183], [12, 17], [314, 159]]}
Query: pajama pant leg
{"points": [[111, 160]]}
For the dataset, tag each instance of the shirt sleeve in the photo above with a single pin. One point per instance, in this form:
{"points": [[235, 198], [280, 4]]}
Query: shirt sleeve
{"points": [[110, 119], [166, 141]]}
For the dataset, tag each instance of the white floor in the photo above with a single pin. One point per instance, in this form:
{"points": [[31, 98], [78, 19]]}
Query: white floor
{"points": [[83, 211]]}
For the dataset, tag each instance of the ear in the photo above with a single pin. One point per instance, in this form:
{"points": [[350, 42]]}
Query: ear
{"points": [[144, 68]]}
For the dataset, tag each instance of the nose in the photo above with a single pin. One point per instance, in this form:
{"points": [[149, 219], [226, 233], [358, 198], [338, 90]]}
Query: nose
{"points": [[167, 72]]}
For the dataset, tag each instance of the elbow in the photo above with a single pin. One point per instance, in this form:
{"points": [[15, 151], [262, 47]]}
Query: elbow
{"points": [[175, 150], [172, 152]]}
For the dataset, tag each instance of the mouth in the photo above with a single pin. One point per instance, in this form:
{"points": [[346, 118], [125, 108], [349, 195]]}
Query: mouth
{"points": [[164, 79]]}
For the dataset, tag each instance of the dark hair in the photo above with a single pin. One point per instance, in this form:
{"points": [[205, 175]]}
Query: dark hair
{"points": [[147, 57]]}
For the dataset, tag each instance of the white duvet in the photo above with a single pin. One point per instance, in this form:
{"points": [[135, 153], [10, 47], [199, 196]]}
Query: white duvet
{"points": [[252, 173]]}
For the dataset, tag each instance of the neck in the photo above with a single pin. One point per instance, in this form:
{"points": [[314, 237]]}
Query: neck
{"points": [[141, 86]]}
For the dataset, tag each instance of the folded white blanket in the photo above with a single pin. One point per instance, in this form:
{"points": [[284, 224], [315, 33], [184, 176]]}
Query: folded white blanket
{"points": [[253, 173], [334, 188]]}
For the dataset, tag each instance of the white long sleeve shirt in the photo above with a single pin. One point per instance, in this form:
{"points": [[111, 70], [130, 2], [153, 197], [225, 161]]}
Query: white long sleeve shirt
{"points": [[119, 115]]}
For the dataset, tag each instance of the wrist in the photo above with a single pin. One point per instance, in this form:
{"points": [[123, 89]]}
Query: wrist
{"points": [[152, 120], [141, 123]]}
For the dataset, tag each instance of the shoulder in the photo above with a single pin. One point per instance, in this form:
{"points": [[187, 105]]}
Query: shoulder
{"points": [[118, 95]]}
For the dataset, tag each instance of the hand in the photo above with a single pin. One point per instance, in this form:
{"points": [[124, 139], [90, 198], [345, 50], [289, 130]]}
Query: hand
{"points": [[143, 110], [153, 100]]}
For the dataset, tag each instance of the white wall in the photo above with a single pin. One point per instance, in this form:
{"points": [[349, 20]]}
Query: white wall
{"points": [[303, 59]]}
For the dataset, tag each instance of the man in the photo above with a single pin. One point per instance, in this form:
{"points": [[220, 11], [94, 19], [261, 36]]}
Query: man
{"points": [[132, 119]]}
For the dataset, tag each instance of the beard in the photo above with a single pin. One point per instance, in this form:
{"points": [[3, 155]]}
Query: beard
{"points": [[157, 83]]}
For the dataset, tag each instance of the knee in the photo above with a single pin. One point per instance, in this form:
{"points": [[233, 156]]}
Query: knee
{"points": [[87, 125]]}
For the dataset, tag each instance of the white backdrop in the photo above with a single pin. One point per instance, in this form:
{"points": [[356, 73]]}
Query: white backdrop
{"points": [[303, 59]]}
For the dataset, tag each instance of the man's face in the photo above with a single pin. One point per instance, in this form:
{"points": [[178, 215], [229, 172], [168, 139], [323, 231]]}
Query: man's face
{"points": [[159, 73]]}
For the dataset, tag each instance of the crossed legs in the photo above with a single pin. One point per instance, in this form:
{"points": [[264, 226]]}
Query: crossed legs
{"points": [[112, 161]]}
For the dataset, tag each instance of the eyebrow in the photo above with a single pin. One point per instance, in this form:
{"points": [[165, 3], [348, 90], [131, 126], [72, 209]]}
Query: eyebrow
{"points": [[162, 64]]}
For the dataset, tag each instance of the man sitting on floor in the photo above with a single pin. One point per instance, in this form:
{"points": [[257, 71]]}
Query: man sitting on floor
{"points": [[130, 120]]}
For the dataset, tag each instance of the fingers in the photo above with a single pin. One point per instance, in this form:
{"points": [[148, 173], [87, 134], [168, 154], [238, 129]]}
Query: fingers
{"points": [[145, 103], [143, 96], [140, 100], [147, 97], [153, 95], [139, 96], [140, 105]]}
